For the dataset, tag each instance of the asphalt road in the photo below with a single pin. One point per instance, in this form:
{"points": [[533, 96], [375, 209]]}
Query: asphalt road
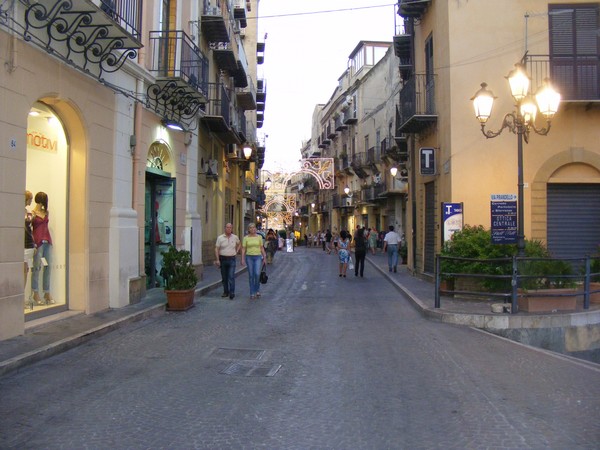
{"points": [[318, 362]]}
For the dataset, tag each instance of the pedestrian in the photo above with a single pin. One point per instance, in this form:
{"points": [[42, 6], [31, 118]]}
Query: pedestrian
{"points": [[254, 256], [390, 244], [226, 247], [373, 240], [360, 251], [343, 252], [271, 244], [328, 237], [322, 240]]}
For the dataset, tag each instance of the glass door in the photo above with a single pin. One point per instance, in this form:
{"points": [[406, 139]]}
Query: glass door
{"points": [[160, 225]]}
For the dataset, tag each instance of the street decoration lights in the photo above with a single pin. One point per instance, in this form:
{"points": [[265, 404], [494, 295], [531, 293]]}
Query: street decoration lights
{"points": [[521, 122]]}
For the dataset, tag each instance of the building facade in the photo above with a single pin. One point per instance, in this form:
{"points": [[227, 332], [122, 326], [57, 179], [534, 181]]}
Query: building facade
{"points": [[120, 118], [445, 50], [356, 128]]}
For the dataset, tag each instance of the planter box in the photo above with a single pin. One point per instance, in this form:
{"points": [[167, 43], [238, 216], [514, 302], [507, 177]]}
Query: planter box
{"points": [[180, 300], [540, 303], [595, 297]]}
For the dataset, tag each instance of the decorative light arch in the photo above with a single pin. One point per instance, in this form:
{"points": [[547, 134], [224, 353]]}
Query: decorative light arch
{"points": [[322, 169]]}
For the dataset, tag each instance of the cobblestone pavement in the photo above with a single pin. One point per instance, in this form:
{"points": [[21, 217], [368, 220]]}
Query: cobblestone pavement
{"points": [[318, 362]]}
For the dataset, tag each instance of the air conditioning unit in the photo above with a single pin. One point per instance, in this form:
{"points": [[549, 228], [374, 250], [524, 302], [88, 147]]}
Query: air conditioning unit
{"points": [[347, 201]]}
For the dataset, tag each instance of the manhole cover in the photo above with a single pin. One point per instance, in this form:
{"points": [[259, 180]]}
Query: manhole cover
{"points": [[238, 353], [249, 370]]}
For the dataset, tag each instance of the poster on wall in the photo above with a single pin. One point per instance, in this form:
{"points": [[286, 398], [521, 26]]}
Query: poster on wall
{"points": [[503, 209], [452, 219]]}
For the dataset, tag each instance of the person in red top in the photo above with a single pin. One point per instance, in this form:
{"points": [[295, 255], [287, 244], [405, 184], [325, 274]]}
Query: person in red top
{"points": [[43, 245]]}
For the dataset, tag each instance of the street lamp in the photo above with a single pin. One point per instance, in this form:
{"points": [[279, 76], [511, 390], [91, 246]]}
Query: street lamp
{"points": [[247, 152], [520, 122], [348, 192], [268, 183], [394, 171]]}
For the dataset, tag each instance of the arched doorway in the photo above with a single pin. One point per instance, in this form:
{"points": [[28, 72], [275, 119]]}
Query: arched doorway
{"points": [[159, 216]]}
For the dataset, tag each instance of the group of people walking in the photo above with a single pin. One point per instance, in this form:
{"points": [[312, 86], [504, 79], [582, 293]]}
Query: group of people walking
{"points": [[362, 241], [256, 253]]}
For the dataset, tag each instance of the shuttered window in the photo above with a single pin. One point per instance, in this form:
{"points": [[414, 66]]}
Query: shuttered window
{"points": [[573, 219], [575, 50]]}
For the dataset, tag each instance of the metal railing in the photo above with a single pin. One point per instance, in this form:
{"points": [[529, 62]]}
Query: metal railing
{"points": [[417, 97], [219, 102], [127, 13], [511, 278], [575, 77], [174, 54]]}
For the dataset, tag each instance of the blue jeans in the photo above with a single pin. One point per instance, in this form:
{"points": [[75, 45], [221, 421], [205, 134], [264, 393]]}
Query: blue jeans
{"points": [[228, 274], [43, 251], [392, 252], [254, 264]]}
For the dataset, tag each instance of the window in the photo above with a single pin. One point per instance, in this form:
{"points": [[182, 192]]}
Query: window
{"points": [[574, 50]]}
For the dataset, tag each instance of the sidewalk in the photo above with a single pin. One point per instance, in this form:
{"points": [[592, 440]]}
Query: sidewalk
{"points": [[44, 338], [47, 337]]}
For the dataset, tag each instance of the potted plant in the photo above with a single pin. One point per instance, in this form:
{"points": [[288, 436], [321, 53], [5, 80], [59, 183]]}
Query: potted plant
{"points": [[180, 279], [403, 253]]}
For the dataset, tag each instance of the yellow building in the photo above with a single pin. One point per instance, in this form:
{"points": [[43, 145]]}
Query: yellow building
{"points": [[112, 115], [446, 49]]}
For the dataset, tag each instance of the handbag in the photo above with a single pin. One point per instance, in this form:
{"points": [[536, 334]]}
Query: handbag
{"points": [[263, 275], [350, 264]]}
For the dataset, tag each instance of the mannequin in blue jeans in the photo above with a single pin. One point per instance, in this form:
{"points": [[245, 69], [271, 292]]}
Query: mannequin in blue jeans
{"points": [[43, 246]]}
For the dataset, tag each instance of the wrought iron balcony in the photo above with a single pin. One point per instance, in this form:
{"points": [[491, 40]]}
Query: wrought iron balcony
{"points": [[260, 52], [412, 8], [577, 78], [95, 36], [350, 117], [240, 13], [339, 124], [213, 23], [181, 72], [246, 96], [417, 105], [359, 165], [217, 116]]}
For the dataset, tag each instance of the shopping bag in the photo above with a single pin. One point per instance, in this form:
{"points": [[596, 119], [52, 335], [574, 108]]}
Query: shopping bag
{"points": [[263, 275], [350, 264]]}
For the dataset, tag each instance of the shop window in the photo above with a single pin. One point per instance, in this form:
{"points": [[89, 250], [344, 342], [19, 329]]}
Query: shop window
{"points": [[46, 262]]}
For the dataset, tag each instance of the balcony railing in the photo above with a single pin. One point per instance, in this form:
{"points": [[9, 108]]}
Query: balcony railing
{"points": [[174, 55], [417, 104], [95, 37], [576, 78]]}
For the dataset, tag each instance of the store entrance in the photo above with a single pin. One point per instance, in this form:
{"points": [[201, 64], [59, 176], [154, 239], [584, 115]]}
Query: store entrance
{"points": [[160, 223]]}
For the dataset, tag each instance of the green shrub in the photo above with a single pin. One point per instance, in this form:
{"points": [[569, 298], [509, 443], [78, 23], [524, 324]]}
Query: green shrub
{"points": [[476, 242], [177, 270]]}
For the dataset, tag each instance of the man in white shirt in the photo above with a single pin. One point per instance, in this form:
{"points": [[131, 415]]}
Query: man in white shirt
{"points": [[227, 246], [390, 245]]}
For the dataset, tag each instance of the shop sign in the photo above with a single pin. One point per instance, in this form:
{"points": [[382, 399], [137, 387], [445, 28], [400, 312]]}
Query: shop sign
{"points": [[504, 218]]}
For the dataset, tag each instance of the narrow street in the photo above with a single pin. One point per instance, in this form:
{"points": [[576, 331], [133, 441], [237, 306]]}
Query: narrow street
{"points": [[318, 362]]}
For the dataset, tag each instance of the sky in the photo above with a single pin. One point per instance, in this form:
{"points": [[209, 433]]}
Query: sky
{"points": [[306, 51]]}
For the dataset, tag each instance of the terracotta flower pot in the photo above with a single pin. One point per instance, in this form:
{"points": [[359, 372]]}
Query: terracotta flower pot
{"points": [[180, 300]]}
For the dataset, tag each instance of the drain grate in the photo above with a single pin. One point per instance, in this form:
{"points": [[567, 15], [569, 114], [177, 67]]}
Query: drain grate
{"points": [[250, 370], [238, 353]]}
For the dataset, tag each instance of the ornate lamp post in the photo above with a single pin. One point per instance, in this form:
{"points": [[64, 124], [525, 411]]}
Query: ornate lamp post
{"points": [[520, 122]]}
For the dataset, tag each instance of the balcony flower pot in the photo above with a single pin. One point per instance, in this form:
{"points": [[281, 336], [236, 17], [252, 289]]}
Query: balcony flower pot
{"points": [[180, 279], [534, 300]]}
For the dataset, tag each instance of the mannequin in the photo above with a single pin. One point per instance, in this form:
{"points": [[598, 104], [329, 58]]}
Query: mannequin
{"points": [[43, 245], [29, 244]]}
